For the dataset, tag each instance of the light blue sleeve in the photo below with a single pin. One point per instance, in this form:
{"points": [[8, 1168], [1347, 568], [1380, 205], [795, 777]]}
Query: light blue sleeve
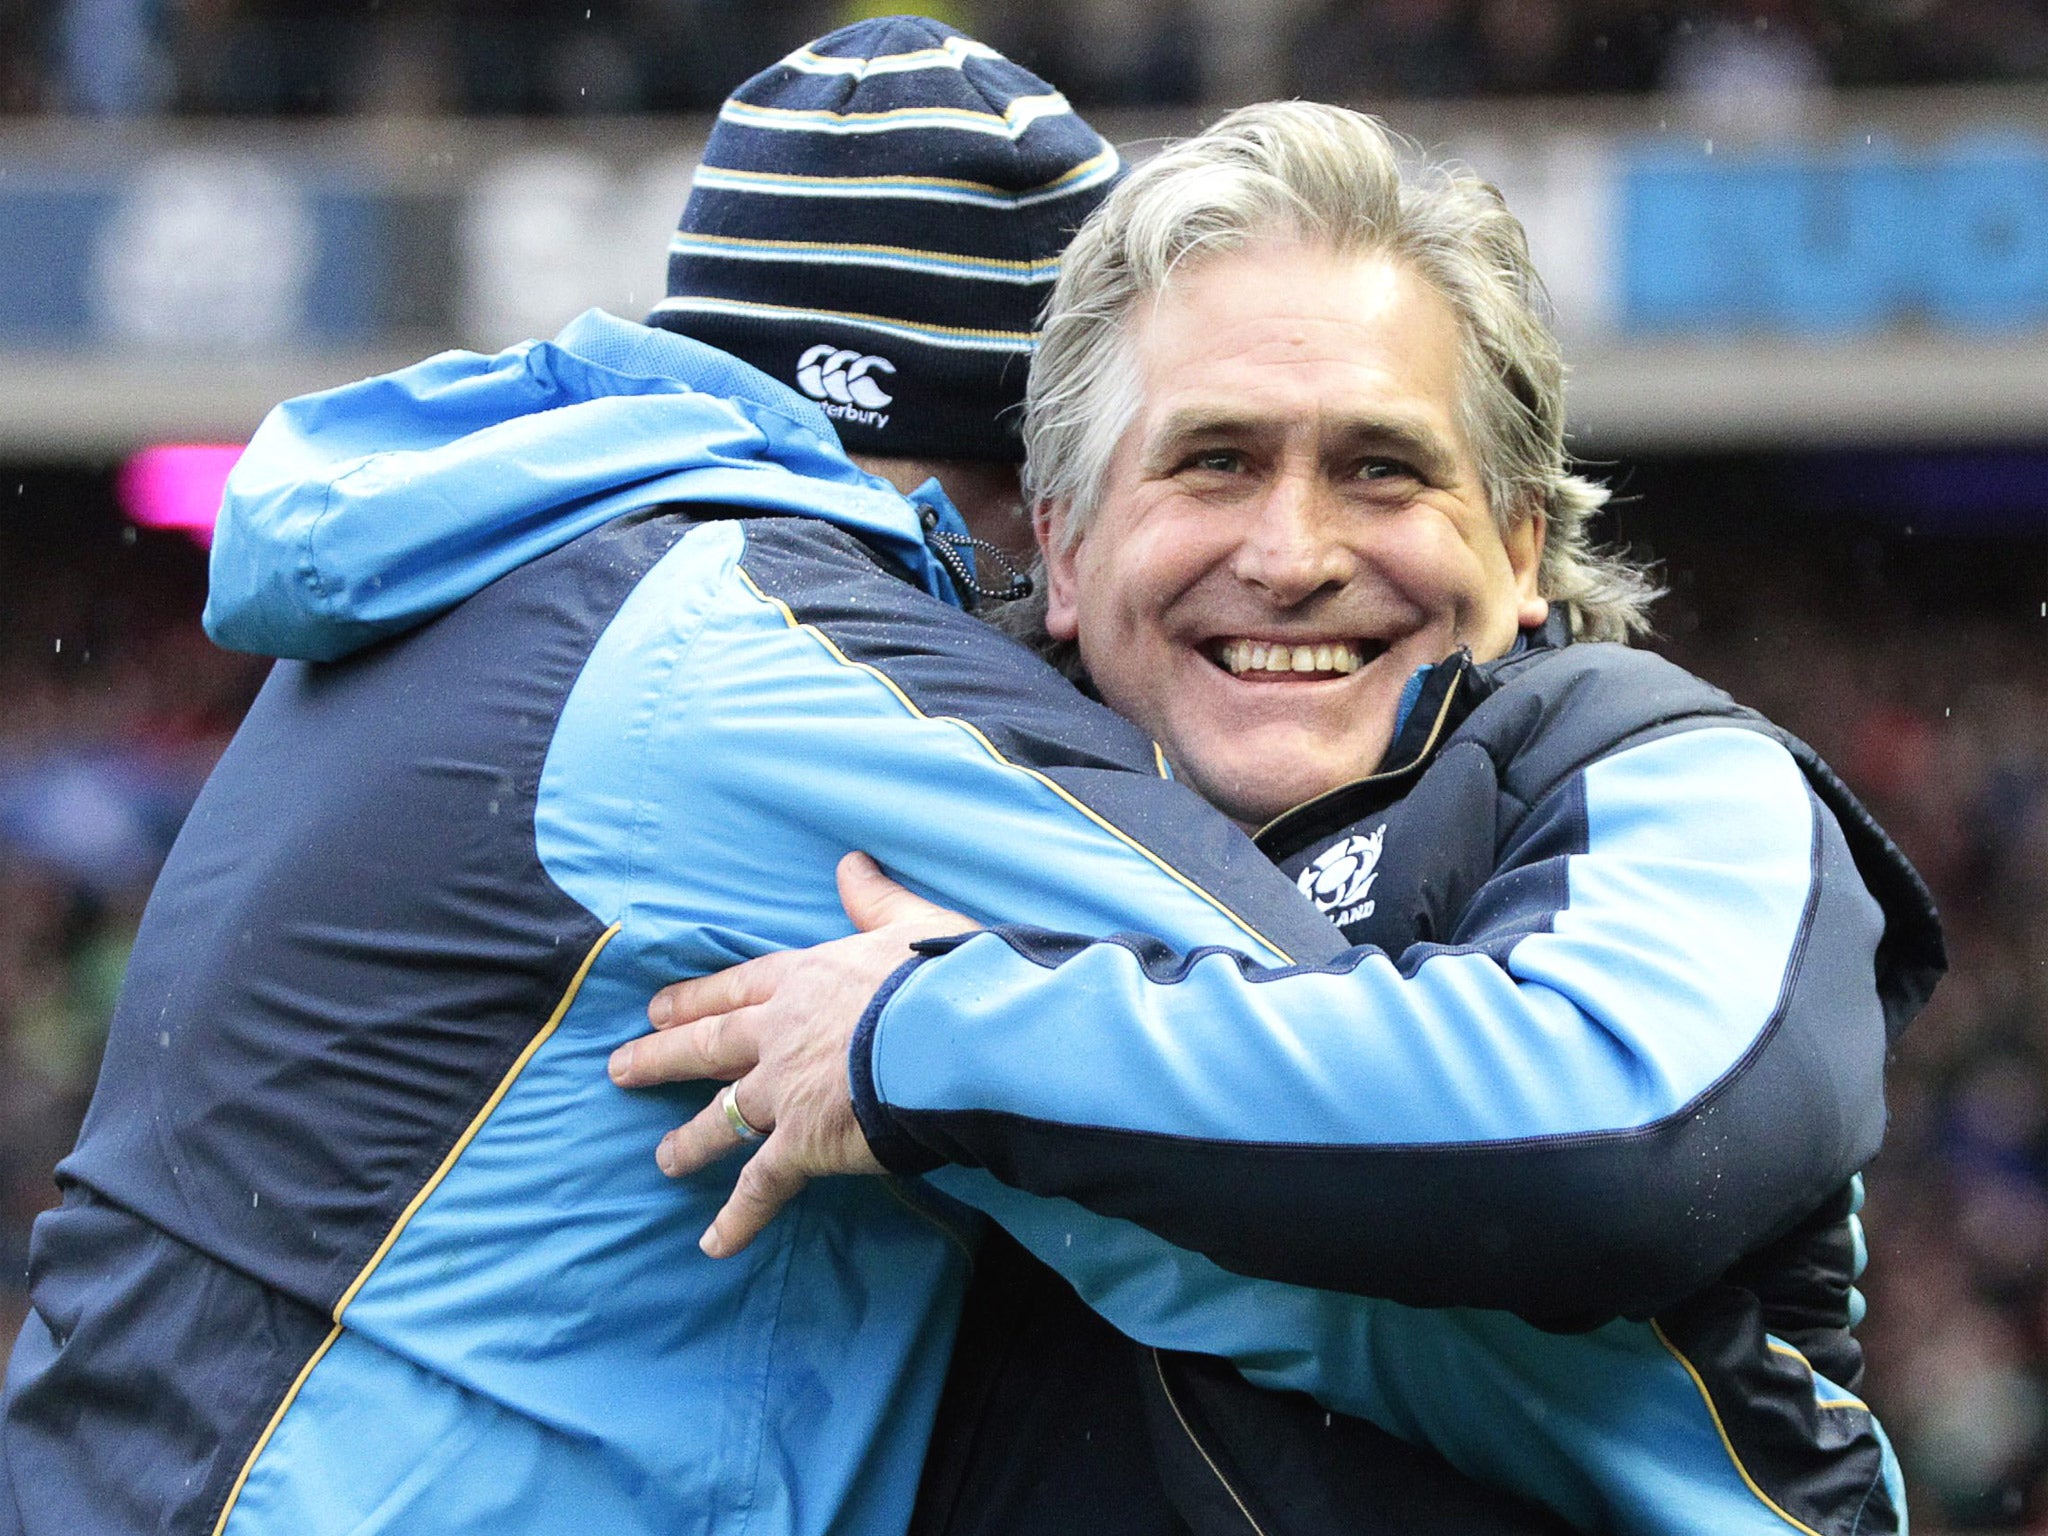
{"points": [[1660, 965], [1657, 1042]]}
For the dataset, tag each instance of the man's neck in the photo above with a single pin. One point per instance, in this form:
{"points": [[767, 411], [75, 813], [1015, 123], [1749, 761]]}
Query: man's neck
{"points": [[986, 492]]}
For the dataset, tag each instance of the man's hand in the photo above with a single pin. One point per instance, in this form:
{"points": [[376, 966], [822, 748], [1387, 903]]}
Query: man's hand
{"points": [[778, 1028]]}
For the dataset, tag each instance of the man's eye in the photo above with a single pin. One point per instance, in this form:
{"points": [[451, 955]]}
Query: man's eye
{"points": [[1386, 469], [1218, 460]]}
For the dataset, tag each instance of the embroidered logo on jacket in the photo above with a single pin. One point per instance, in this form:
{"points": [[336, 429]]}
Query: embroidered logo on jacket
{"points": [[1340, 879], [846, 382]]}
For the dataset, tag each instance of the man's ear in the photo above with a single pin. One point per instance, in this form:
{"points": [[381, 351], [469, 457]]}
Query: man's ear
{"points": [[1525, 559], [1048, 522]]}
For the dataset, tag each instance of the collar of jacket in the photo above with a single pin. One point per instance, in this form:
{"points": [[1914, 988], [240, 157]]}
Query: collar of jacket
{"points": [[1449, 692]]}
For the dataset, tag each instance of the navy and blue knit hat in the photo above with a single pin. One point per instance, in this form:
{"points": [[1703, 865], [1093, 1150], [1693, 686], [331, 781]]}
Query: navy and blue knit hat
{"points": [[877, 222]]}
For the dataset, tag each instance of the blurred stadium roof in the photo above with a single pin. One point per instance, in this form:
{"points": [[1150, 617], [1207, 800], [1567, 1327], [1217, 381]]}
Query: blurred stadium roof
{"points": [[1849, 267]]}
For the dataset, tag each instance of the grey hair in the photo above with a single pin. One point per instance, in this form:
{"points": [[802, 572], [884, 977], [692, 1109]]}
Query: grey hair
{"points": [[1331, 177]]}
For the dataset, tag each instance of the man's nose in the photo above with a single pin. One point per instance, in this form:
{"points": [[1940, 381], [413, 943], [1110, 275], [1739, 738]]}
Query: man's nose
{"points": [[1294, 547]]}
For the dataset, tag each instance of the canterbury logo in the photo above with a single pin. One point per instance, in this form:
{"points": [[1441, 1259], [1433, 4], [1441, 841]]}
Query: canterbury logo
{"points": [[843, 377], [1340, 881]]}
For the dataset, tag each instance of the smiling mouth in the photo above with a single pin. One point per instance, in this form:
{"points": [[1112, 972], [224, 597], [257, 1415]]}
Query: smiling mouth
{"points": [[1303, 661]]}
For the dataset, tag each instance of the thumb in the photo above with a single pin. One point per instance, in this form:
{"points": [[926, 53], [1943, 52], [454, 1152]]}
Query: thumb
{"points": [[874, 901]]}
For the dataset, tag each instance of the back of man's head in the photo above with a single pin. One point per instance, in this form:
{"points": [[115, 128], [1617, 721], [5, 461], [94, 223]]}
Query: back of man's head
{"points": [[877, 222]]}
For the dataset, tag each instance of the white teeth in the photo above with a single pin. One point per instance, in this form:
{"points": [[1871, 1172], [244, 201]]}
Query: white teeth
{"points": [[1241, 656]]}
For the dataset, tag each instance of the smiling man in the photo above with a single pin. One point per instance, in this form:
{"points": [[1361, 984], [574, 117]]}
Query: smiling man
{"points": [[1604, 1058], [1290, 527]]}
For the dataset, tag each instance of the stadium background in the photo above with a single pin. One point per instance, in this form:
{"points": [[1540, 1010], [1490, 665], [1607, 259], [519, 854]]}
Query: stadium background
{"points": [[1799, 250]]}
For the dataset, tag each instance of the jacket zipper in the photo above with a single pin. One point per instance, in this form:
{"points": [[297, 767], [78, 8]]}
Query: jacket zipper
{"points": [[1443, 713], [1159, 1368]]}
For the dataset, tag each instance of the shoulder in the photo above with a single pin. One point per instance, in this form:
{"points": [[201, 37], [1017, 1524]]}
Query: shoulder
{"points": [[940, 662], [1556, 714], [1552, 713]]}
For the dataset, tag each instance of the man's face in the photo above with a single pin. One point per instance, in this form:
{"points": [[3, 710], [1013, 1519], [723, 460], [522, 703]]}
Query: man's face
{"points": [[1291, 525]]}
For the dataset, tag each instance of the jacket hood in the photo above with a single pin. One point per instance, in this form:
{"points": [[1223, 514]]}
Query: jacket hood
{"points": [[362, 511]]}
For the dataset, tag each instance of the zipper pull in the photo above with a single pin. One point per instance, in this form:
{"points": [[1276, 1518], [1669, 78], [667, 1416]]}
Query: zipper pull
{"points": [[947, 548]]}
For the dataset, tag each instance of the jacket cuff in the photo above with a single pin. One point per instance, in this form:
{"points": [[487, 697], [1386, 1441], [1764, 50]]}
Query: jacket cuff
{"points": [[894, 1148]]}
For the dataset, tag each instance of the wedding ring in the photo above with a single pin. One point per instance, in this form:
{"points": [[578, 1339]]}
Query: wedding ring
{"points": [[742, 1127]]}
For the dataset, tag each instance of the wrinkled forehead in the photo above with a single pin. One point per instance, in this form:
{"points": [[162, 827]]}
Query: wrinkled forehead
{"points": [[1358, 349]]}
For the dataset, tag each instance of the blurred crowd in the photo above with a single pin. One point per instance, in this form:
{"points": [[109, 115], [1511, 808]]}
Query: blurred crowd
{"points": [[1943, 727], [548, 57], [1930, 696], [1919, 670], [113, 708]]}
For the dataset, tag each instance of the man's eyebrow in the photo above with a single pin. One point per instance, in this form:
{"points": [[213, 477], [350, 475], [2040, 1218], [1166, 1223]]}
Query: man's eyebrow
{"points": [[1202, 421], [1430, 453]]}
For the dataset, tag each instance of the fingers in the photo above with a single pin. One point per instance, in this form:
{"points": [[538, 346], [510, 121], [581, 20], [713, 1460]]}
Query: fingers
{"points": [[779, 1025], [768, 1182], [684, 1002], [722, 1046], [866, 893], [765, 1186], [705, 1138], [874, 901]]}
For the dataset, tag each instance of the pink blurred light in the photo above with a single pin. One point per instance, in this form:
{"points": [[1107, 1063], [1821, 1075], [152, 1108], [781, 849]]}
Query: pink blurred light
{"points": [[177, 486]]}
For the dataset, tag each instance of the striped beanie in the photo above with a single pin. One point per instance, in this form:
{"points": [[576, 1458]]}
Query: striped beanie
{"points": [[877, 222]]}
